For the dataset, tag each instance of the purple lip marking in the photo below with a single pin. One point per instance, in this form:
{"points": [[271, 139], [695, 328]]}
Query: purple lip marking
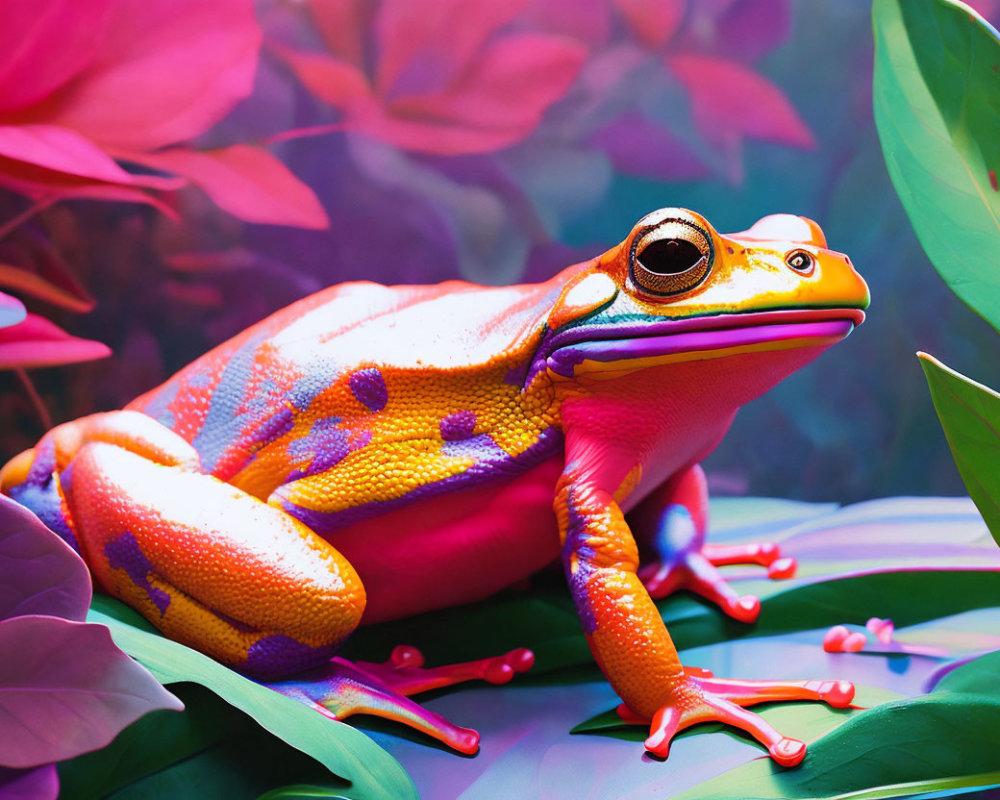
{"points": [[368, 388], [565, 359]]}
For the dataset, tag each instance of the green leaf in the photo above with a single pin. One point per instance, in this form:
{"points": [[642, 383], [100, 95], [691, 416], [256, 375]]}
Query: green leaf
{"points": [[301, 791], [937, 113], [343, 750], [970, 415], [947, 740]]}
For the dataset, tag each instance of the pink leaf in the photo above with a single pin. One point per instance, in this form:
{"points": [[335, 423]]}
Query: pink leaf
{"points": [[167, 71], [499, 101], [637, 146], [653, 21], [65, 689], [43, 45], [586, 22], [334, 81], [729, 99], [36, 342], [423, 44], [41, 783], [50, 280], [60, 150], [12, 310], [248, 182], [39, 572], [343, 24]]}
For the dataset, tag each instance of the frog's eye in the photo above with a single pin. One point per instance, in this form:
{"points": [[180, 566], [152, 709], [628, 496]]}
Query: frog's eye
{"points": [[670, 258], [800, 261]]}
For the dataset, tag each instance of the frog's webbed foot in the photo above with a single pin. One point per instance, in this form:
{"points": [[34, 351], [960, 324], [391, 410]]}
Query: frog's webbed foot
{"points": [[341, 688], [685, 561], [701, 697]]}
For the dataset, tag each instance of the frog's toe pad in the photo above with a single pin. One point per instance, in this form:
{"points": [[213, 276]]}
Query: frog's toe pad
{"points": [[708, 699], [340, 690]]}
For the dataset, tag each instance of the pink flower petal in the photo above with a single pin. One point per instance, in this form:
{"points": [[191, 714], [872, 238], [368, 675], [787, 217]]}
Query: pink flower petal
{"points": [[43, 45], [39, 572], [167, 71], [729, 99], [36, 342], [65, 689], [248, 182], [653, 22], [12, 310], [423, 44], [334, 81], [499, 100]]}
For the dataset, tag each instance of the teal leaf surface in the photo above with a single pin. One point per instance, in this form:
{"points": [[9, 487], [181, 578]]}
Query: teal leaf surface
{"points": [[937, 113], [345, 751]]}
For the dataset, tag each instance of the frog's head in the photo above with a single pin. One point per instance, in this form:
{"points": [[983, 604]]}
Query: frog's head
{"points": [[677, 290]]}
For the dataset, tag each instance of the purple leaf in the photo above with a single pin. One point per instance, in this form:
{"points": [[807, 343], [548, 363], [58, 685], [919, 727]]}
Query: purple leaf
{"points": [[41, 783], [39, 572], [65, 689]]}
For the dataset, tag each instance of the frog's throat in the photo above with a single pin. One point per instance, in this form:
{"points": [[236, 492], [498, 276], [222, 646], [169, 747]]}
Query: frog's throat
{"points": [[635, 346]]}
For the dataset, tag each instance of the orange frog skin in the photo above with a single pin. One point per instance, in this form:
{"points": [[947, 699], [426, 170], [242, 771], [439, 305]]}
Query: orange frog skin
{"points": [[374, 452]]}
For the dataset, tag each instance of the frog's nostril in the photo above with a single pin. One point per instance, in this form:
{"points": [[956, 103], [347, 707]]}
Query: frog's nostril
{"points": [[669, 256]]}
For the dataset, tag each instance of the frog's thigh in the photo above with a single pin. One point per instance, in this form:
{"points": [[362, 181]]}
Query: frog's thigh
{"points": [[210, 565]]}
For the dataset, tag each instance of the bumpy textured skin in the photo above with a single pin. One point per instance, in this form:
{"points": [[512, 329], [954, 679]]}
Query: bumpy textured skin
{"points": [[373, 452]]}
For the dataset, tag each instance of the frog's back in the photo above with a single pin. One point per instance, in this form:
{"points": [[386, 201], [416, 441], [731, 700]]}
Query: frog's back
{"points": [[358, 366]]}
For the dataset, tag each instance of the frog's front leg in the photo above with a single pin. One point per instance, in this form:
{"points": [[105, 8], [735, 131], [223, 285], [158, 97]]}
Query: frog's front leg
{"points": [[671, 524], [632, 646]]}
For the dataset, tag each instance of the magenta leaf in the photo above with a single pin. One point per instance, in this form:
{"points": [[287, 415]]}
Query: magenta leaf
{"points": [[167, 70], [41, 783], [246, 181], [729, 99], [39, 572], [62, 150], [43, 45], [639, 146], [65, 689], [36, 342]]}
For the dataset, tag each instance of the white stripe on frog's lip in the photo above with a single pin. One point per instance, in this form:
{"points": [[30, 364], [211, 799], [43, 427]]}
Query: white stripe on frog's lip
{"points": [[637, 340]]}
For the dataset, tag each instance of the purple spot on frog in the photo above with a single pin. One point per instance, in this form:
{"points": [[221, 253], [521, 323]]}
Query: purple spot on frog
{"points": [[458, 426], [579, 570], [124, 553], [368, 388], [278, 656]]}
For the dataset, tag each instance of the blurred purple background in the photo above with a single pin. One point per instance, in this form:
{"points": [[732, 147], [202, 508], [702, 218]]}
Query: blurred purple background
{"points": [[493, 141]]}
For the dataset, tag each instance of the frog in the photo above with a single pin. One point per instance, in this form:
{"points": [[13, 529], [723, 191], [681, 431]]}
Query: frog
{"points": [[372, 452]]}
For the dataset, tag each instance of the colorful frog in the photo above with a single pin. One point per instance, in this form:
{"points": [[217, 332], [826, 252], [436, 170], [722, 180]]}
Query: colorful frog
{"points": [[374, 452]]}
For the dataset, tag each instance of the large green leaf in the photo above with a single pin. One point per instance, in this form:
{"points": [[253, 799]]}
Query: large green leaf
{"points": [[970, 416], [947, 740], [937, 110], [343, 750]]}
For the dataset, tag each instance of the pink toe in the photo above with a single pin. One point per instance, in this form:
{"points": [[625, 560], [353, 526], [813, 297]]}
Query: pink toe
{"points": [[833, 642], [788, 752], [746, 609], [838, 694], [782, 568]]}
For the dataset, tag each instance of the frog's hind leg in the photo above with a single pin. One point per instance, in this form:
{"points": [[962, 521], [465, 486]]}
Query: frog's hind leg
{"points": [[341, 689], [671, 524], [209, 565]]}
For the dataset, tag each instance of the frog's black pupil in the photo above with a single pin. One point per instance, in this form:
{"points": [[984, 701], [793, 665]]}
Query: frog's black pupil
{"points": [[800, 261], [669, 256]]}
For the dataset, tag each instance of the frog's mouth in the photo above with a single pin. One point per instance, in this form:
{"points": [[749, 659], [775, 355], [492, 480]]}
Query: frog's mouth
{"points": [[634, 345]]}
